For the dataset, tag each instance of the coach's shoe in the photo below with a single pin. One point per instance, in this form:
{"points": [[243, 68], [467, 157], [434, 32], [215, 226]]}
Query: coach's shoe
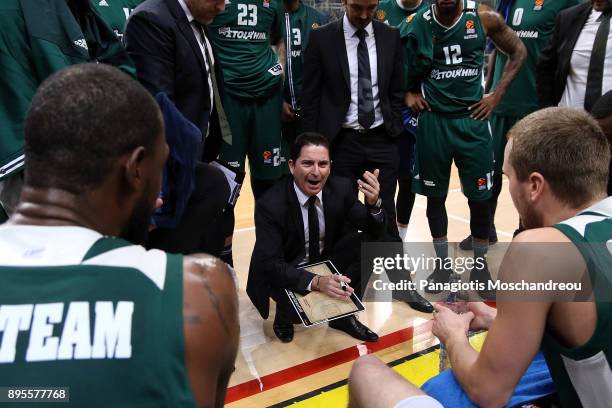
{"points": [[481, 275], [466, 244], [353, 327], [440, 275], [283, 328]]}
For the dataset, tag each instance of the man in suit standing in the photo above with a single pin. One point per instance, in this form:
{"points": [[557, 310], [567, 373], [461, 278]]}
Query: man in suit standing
{"points": [[353, 94], [306, 218], [168, 42], [576, 67]]}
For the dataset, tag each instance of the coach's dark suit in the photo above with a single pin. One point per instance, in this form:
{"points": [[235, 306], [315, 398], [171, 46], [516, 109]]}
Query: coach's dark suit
{"points": [[326, 100], [162, 44], [280, 242], [327, 94], [168, 58], [554, 64]]}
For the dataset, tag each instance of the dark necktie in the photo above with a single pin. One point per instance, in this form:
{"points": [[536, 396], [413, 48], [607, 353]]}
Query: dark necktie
{"points": [[365, 98], [596, 64], [313, 231], [226, 132]]}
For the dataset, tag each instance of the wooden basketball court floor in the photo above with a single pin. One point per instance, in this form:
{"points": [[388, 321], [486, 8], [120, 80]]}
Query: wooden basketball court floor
{"points": [[312, 370]]}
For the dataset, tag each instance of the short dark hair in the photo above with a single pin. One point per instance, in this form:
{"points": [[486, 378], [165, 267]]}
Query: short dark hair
{"points": [[568, 148], [603, 106], [83, 118], [307, 138]]}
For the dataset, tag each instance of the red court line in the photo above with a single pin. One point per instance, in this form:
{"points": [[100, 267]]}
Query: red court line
{"points": [[319, 364]]}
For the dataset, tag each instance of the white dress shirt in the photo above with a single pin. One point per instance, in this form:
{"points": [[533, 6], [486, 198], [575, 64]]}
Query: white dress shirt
{"points": [[205, 50], [352, 41], [575, 88], [303, 200]]}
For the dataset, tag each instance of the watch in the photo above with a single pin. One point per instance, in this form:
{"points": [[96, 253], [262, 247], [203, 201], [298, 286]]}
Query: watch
{"points": [[377, 205]]}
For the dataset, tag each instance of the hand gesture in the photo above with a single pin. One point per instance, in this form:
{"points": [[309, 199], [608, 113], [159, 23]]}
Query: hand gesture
{"points": [[416, 102], [483, 109], [370, 187], [331, 285], [447, 323]]}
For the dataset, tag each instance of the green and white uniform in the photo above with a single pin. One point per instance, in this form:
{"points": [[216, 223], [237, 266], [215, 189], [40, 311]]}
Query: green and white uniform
{"points": [[297, 26], [582, 375], [533, 21], [447, 62], [115, 13], [95, 314], [392, 12], [38, 38], [243, 35]]}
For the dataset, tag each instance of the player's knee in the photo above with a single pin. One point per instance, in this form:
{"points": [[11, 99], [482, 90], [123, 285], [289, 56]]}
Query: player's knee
{"points": [[480, 218]]}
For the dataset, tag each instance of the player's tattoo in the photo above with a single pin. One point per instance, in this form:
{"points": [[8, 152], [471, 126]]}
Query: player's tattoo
{"points": [[213, 298], [506, 40], [190, 316]]}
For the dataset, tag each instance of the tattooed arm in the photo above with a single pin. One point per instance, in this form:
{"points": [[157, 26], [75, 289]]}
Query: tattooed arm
{"points": [[210, 315], [509, 43]]}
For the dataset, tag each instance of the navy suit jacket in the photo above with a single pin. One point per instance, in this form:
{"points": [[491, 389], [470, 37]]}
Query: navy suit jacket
{"points": [[168, 59]]}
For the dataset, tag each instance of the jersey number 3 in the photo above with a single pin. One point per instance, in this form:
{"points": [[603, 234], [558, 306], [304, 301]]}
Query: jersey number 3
{"points": [[247, 14], [453, 54]]}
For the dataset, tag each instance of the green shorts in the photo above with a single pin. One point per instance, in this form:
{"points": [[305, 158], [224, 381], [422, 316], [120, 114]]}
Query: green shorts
{"points": [[500, 125], [441, 139], [256, 132]]}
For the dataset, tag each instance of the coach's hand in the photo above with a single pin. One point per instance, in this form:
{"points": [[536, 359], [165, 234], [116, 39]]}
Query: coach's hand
{"points": [[370, 187], [416, 102], [287, 113], [332, 286], [483, 109]]}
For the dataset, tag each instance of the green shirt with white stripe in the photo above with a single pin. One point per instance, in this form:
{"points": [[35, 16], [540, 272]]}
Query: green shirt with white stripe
{"points": [[95, 314], [391, 12], [582, 375]]}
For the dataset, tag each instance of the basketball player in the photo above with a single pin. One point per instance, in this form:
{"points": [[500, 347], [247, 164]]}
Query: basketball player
{"points": [[80, 306], [533, 21], [574, 214], [446, 43]]}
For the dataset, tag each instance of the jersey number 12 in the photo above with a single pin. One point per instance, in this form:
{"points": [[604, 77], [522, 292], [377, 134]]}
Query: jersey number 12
{"points": [[453, 54]]}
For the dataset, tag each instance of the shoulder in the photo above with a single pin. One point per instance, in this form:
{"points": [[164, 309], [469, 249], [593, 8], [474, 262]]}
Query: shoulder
{"points": [[209, 279], [275, 196], [156, 10], [574, 11], [490, 18]]}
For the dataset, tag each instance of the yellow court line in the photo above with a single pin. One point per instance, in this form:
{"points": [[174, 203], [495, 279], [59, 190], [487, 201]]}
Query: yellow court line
{"points": [[417, 371]]}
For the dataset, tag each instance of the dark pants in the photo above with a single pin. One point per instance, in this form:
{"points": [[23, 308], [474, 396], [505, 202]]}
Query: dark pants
{"points": [[201, 226], [353, 153], [346, 257]]}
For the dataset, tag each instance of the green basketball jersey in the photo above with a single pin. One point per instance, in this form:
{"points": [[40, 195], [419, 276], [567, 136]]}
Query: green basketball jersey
{"points": [[243, 35], [582, 375], [533, 21], [446, 61], [95, 314], [115, 13], [392, 13], [296, 31]]}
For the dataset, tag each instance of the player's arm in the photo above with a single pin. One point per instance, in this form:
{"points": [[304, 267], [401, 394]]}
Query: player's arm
{"points": [[277, 39], [211, 327], [509, 43]]}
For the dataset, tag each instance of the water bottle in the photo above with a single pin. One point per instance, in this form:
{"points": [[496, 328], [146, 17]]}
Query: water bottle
{"points": [[457, 306]]}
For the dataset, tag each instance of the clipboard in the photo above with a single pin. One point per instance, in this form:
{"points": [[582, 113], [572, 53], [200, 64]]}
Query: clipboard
{"points": [[316, 307]]}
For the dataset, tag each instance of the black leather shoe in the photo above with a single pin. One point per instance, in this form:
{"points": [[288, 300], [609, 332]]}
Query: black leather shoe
{"points": [[283, 329], [353, 327], [483, 276], [419, 303], [439, 275]]}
